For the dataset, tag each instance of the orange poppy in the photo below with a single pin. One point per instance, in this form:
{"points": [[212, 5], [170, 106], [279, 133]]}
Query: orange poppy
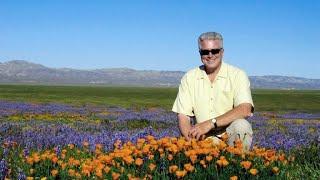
{"points": [[275, 170], [98, 173], [282, 157], [209, 158], [139, 161], [141, 140], [152, 166], [238, 144], [224, 137], [202, 162], [30, 160], [234, 178], [181, 143], [71, 172], [246, 164], [173, 168], [107, 169], [63, 165], [149, 138], [222, 162], [146, 149], [222, 145], [181, 174], [71, 146], [54, 172], [150, 156], [115, 175], [214, 153], [189, 167], [54, 159], [174, 140], [78, 175], [193, 158], [253, 171], [128, 160]]}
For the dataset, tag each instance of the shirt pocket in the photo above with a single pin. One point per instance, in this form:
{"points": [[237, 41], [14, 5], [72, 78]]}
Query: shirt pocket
{"points": [[225, 100]]}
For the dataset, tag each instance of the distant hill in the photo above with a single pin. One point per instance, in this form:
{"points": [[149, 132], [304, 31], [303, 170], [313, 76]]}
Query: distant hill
{"points": [[19, 71]]}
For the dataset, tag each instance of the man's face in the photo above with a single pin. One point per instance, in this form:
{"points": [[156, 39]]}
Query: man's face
{"points": [[211, 61]]}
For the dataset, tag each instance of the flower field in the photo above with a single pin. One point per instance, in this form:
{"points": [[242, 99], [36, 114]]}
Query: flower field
{"points": [[59, 141]]}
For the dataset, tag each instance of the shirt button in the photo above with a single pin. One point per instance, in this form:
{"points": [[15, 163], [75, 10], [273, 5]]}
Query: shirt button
{"points": [[211, 99]]}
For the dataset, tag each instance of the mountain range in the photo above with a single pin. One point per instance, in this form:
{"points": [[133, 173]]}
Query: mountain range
{"points": [[24, 72]]}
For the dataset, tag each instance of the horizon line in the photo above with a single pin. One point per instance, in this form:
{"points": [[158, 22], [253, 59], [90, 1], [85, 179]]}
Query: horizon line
{"points": [[92, 69]]}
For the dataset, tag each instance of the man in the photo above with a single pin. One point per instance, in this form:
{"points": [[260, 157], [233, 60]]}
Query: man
{"points": [[217, 94]]}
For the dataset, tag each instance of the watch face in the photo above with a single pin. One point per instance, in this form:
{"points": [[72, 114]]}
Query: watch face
{"points": [[214, 120]]}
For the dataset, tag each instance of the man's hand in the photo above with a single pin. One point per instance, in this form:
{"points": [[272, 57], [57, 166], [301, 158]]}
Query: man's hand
{"points": [[184, 125], [200, 129]]}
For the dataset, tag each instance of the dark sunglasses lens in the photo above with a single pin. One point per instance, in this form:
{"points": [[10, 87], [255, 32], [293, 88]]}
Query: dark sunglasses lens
{"points": [[215, 51], [204, 52]]}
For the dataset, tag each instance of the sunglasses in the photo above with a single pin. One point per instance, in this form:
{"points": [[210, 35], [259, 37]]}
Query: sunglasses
{"points": [[204, 52]]}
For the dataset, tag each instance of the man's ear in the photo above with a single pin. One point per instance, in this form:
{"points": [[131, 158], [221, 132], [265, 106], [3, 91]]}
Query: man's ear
{"points": [[221, 52]]}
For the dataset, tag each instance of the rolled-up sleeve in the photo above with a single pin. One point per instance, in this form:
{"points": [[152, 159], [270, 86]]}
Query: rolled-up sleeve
{"points": [[242, 91], [183, 102]]}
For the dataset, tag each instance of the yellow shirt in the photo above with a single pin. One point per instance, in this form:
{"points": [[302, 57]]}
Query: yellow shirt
{"points": [[199, 97]]}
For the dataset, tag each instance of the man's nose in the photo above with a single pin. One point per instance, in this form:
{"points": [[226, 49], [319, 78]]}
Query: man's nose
{"points": [[210, 54]]}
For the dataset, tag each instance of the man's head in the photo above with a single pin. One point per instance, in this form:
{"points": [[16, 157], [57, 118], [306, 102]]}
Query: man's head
{"points": [[211, 49]]}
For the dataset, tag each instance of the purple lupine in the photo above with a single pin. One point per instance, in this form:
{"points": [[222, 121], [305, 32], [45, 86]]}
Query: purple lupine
{"points": [[270, 129], [21, 175], [3, 169], [284, 134], [11, 108], [300, 116], [43, 135]]}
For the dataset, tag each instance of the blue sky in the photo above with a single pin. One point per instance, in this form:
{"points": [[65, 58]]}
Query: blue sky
{"points": [[261, 37]]}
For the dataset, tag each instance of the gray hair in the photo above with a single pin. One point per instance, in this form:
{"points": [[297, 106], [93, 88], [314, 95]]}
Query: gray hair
{"points": [[210, 36]]}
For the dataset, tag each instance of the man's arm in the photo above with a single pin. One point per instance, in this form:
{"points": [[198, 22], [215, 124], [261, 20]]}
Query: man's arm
{"points": [[184, 125], [183, 106], [240, 112]]}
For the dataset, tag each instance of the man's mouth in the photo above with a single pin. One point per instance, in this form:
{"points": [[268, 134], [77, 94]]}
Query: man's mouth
{"points": [[210, 61]]}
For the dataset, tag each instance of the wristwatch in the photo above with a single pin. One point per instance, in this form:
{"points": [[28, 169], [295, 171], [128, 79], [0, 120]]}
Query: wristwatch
{"points": [[214, 123]]}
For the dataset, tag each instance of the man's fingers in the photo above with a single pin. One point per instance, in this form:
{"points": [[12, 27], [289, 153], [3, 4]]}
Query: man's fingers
{"points": [[203, 137], [192, 131], [198, 136], [195, 132], [187, 137]]}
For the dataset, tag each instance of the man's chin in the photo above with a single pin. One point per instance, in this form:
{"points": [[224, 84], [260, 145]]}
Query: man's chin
{"points": [[211, 66]]}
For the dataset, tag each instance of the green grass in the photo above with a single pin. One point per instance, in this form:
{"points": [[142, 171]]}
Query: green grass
{"points": [[146, 97], [287, 100]]}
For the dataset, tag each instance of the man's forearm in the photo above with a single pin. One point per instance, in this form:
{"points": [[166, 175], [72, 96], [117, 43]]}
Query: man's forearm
{"points": [[184, 125], [240, 112]]}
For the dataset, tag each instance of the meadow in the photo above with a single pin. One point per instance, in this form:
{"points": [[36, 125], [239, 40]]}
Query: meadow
{"points": [[145, 97], [82, 132]]}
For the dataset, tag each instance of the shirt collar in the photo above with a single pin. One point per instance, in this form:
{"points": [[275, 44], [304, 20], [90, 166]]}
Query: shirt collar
{"points": [[222, 71]]}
